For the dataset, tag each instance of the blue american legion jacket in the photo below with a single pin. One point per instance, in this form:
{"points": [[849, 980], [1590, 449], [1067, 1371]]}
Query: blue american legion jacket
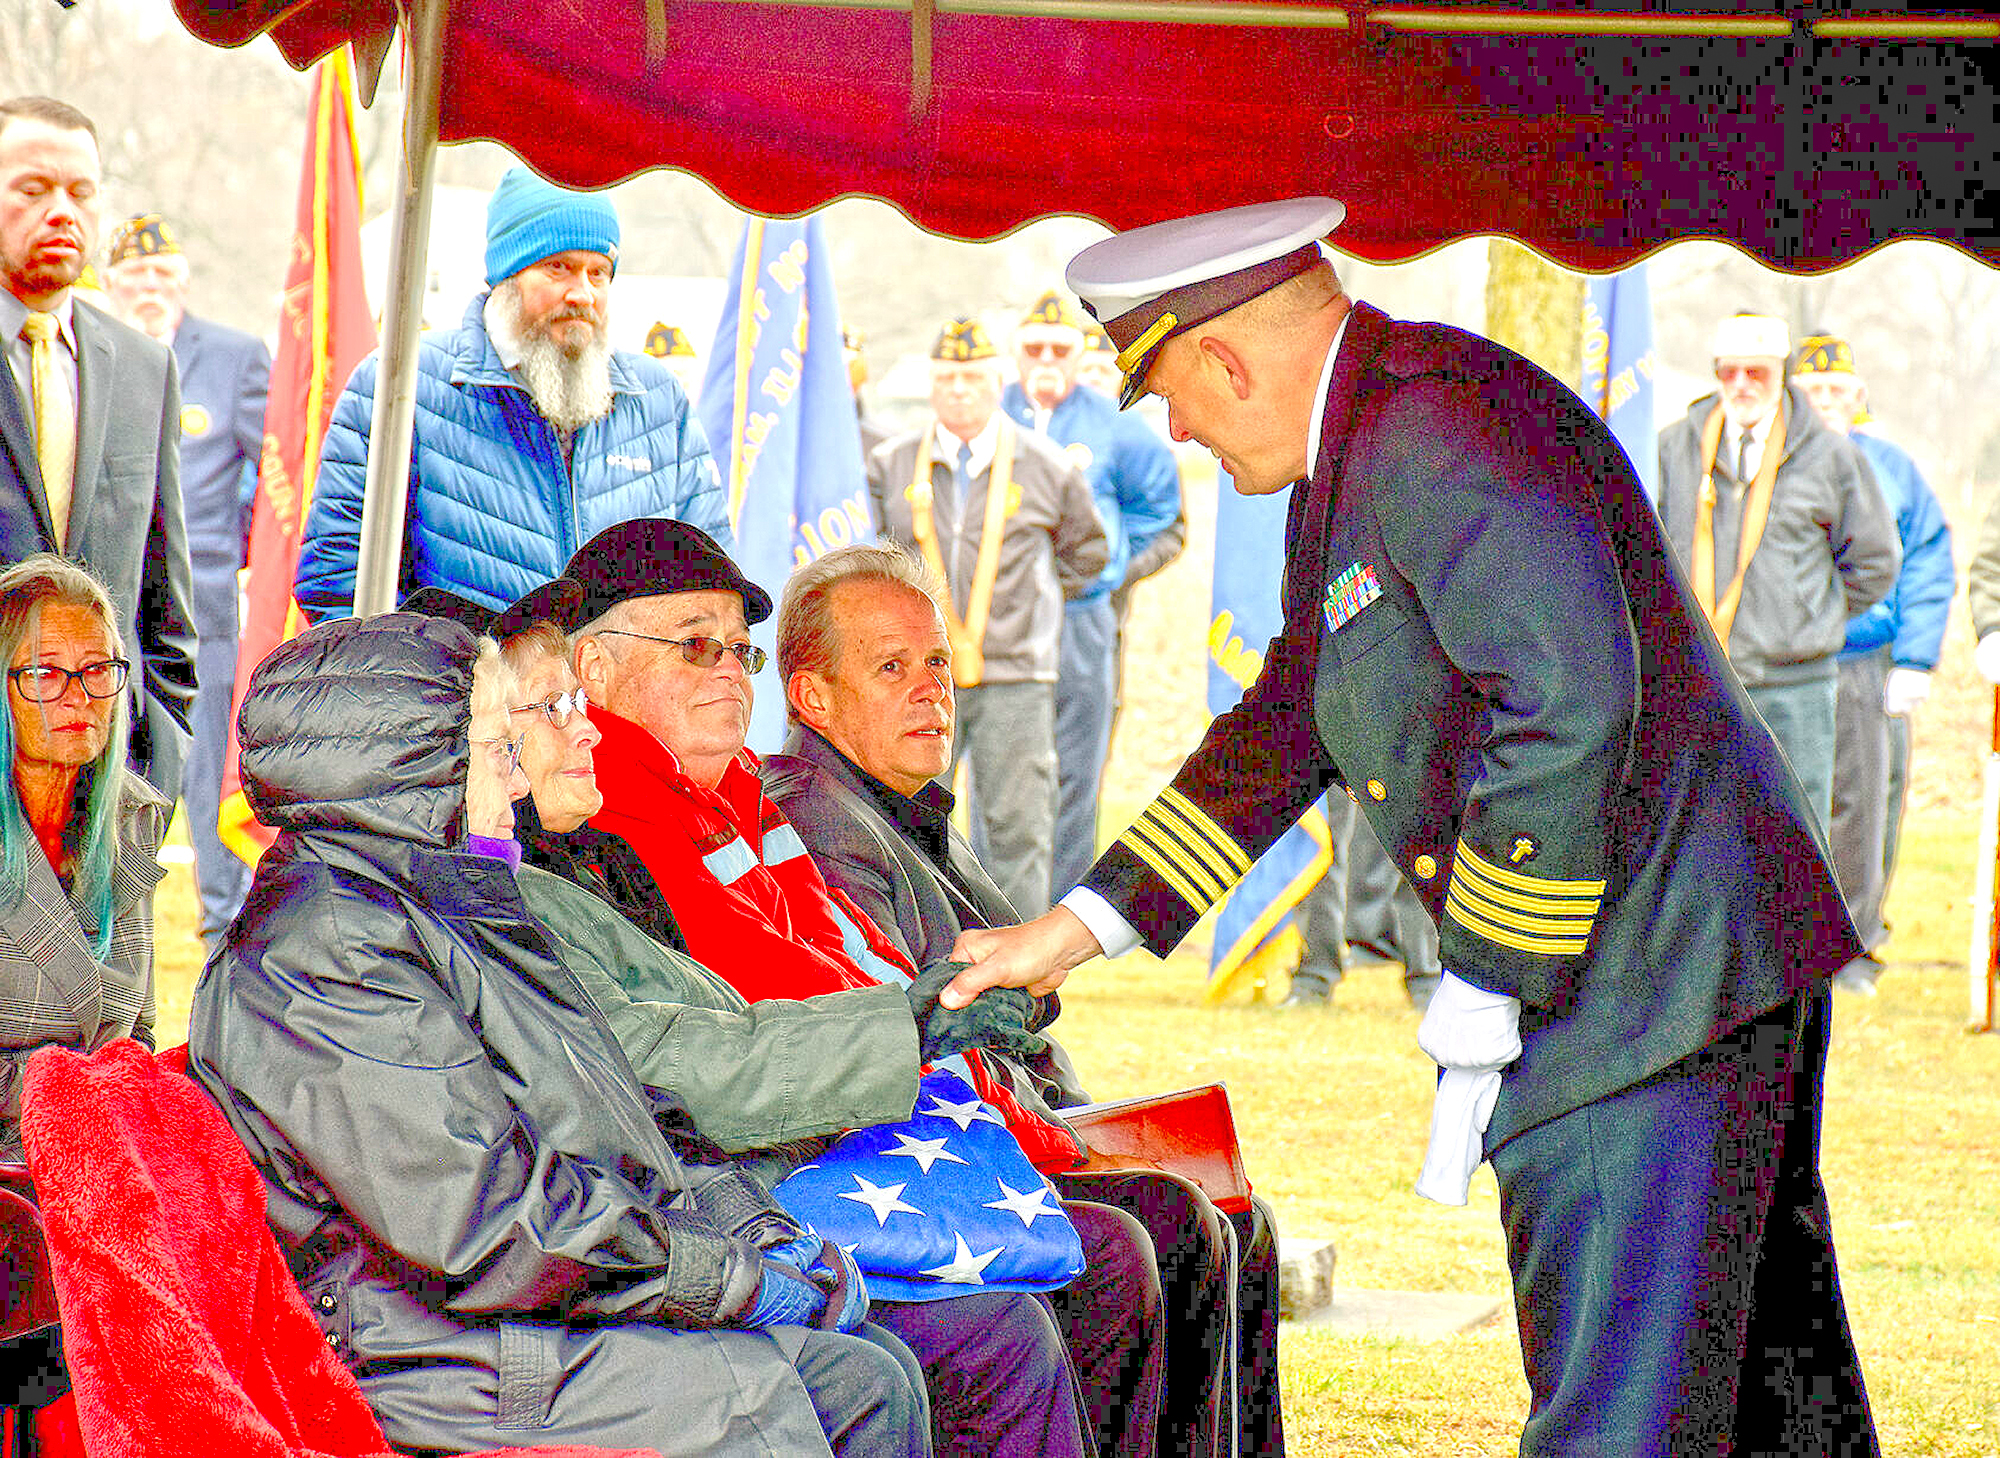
{"points": [[493, 511], [1911, 619], [1133, 478]]}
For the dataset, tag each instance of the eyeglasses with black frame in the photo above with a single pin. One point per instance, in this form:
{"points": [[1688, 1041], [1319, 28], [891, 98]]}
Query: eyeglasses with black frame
{"points": [[705, 652], [558, 709], [44, 683]]}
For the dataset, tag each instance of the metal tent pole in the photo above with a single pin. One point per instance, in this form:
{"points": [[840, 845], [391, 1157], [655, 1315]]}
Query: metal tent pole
{"points": [[378, 568]]}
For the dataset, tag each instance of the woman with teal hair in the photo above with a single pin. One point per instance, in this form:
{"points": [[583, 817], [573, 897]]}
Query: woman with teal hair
{"points": [[79, 832]]}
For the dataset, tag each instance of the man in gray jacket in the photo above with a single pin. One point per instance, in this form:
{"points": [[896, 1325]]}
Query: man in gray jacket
{"points": [[1783, 534], [1011, 526]]}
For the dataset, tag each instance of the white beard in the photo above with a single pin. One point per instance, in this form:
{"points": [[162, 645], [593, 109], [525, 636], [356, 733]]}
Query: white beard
{"points": [[570, 388]]}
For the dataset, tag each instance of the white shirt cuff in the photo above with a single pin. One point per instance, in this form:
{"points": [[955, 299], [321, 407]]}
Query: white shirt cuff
{"points": [[1113, 932]]}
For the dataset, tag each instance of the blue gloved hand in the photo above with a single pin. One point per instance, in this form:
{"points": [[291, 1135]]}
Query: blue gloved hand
{"points": [[835, 1272], [785, 1297]]}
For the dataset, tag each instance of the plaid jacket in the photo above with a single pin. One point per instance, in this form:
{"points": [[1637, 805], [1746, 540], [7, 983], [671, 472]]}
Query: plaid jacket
{"points": [[53, 989]]}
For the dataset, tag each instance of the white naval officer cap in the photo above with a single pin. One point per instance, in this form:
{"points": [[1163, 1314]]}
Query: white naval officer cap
{"points": [[1152, 283]]}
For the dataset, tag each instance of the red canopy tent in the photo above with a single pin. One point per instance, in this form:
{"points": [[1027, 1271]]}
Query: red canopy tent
{"points": [[1592, 130]]}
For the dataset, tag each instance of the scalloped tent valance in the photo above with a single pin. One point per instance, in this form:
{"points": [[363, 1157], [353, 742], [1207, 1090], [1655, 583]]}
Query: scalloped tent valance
{"points": [[1593, 132]]}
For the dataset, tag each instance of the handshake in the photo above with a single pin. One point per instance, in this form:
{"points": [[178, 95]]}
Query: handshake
{"points": [[1000, 1018]]}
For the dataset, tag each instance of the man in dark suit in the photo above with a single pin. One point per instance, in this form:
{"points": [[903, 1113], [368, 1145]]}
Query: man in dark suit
{"points": [[90, 421], [867, 667], [225, 375], [1486, 637]]}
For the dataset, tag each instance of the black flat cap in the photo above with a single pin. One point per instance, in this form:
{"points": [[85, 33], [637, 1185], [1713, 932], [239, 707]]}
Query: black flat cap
{"points": [[652, 557], [556, 601], [438, 602]]}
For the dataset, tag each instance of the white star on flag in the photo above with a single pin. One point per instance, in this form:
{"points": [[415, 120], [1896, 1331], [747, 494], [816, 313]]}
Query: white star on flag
{"points": [[925, 1152], [884, 1200], [1028, 1204], [964, 1268], [963, 1114]]}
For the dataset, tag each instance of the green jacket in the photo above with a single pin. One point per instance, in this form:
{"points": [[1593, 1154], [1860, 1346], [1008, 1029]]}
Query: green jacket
{"points": [[748, 1076]]}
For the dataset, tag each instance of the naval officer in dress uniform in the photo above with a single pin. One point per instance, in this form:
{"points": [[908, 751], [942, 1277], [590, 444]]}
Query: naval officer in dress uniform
{"points": [[1487, 641]]}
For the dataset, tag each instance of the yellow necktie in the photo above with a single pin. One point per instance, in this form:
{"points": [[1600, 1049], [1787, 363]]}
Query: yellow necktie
{"points": [[55, 420]]}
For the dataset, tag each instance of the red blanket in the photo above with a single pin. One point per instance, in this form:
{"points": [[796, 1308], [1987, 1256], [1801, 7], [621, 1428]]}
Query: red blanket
{"points": [[183, 1329]]}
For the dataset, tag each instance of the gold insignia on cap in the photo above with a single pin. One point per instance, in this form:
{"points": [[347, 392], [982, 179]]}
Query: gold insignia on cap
{"points": [[963, 341], [1824, 354], [664, 341], [1053, 309], [1095, 340], [144, 236], [1425, 866]]}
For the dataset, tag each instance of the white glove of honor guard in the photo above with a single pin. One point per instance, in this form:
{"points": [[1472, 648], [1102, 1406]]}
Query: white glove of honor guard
{"points": [[1904, 690], [1471, 1035], [1986, 657]]}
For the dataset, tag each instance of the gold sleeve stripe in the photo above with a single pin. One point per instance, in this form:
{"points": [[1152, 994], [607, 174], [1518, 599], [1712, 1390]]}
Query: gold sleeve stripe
{"points": [[1500, 936], [1166, 871], [1466, 856], [1204, 877], [1235, 863], [1470, 880], [1469, 900]]}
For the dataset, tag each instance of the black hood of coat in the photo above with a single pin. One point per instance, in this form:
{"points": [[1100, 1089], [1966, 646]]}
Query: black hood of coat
{"points": [[361, 724]]}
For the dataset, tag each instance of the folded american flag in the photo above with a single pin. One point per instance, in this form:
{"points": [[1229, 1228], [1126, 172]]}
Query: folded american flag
{"points": [[938, 1205]]}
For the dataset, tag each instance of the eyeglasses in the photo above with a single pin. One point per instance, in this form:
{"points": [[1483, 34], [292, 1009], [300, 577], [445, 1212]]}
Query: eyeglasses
{"points": [[506, 754], [1047, 349], [706, 652], [558, 709], [44, 683]]}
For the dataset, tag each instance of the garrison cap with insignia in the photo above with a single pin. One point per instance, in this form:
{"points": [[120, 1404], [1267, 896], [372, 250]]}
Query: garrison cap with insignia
{"points": [[1152, 283], [963, 341], [1095, 340], [664, 341], [144, 236], [1825, 354], [1055, 311]]}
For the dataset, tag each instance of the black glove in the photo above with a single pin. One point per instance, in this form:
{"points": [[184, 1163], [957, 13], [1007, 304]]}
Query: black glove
{"points": [[998, 1018]]}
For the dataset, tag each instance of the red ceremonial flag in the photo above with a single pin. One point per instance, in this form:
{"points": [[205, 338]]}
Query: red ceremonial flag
{"points": [[325, 331]]}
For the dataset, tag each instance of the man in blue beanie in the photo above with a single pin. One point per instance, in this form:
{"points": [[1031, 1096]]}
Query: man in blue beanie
{"points": [[532, 434]]}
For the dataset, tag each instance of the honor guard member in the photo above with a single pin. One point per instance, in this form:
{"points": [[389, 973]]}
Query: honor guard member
{"points": [[225, 375], [1784, 536], [1487, 641], [1008, 522], [1137, 487], [1886, 662]]}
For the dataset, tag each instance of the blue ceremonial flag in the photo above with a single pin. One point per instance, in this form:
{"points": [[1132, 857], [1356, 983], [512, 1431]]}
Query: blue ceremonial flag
{"points": [[1255, 930], [1245, 613], [940, 1204], [779, 416], [1618, 365]]}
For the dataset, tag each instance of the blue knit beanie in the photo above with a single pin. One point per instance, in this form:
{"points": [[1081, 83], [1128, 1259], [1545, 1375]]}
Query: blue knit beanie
{"points": [[528, 219]]}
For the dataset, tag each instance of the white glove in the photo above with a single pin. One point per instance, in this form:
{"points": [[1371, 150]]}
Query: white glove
{"points": [[1905, 689], [1986, 657], [1468, 1029], [1459, 1116]]}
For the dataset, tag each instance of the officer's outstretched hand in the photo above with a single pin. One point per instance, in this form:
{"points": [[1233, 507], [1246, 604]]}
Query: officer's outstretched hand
{"points": [[1037, 955]]}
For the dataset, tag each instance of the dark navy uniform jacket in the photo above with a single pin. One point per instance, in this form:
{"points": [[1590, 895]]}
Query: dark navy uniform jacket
{"points": [[1487, 640], [225, 374]]}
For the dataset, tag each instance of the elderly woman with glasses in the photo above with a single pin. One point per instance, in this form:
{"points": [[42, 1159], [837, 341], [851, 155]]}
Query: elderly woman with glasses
{"points": [[463, 1170], [78, 830]]}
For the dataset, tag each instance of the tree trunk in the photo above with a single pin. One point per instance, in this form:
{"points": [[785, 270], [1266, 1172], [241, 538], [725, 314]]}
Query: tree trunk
{"points": [[1535, 308]]}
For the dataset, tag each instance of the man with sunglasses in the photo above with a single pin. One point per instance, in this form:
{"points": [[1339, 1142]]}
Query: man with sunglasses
{"points": [[1137, 488], [663, 659]]}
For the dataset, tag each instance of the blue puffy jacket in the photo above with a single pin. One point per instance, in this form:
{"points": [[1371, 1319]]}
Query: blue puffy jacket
{"points": [[1911, 619], [493, 511]]}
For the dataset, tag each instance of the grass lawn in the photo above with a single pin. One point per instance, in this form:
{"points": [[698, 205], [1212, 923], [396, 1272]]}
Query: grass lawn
{"points": [[1333, 1108]]}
